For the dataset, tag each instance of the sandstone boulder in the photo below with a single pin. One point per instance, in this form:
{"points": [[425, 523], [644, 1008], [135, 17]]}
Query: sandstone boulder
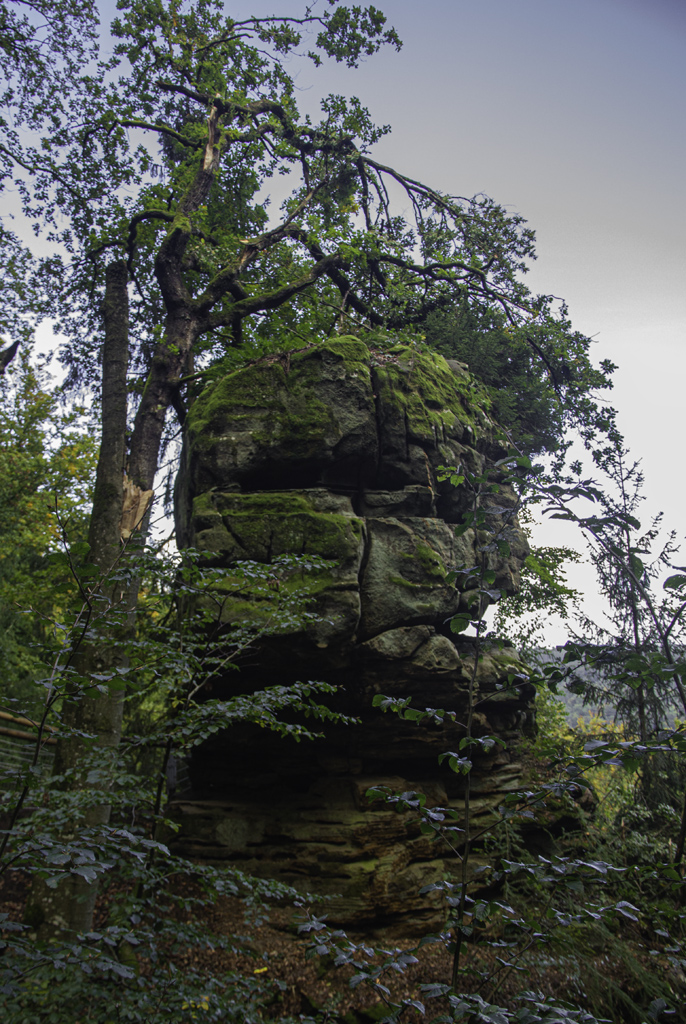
{"points": [[337, 451]]}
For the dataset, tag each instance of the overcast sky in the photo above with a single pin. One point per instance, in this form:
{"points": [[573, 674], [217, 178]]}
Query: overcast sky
{"points": [[570, 112]]}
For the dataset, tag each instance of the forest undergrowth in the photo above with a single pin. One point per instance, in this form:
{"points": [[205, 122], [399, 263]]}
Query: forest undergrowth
{"points": [[622, 967]]}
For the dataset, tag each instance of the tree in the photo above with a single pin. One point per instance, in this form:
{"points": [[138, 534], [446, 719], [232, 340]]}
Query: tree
{"points": [[46, 454], [539, 390], [210, 272], [43, 47], [635, 663], [643, 627], [543, 592], [641, 622], [87, 710]]}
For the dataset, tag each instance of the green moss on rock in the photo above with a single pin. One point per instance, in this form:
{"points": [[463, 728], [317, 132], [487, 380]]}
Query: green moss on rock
{"points": [[430, 395], [251, 387], [266, 525], [430, 560], [347, 348], [291, 405]]}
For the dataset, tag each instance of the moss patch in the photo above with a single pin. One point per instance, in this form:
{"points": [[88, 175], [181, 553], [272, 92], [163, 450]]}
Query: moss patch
{"points": [[264, 526], [299, 425], [348, 349], [430, 560], [271, 503], [430, 395], [282, 394], [278, 400], [253, 387], [316, 533]]}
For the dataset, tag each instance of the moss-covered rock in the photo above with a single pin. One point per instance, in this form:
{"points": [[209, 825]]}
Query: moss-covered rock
{"points": [[334, 452], [286, 421], [263, 527], [405, 580], [435, 402]]}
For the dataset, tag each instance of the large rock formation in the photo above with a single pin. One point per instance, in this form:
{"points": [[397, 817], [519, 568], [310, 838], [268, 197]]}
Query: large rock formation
{"points": [[335, 451]]}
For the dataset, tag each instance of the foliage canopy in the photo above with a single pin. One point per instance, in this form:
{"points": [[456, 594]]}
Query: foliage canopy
{"points": [[163, 155]]}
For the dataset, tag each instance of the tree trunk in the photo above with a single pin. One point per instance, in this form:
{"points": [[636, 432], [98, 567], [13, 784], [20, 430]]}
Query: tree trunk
{"points": [[87, 710], [169, 364]]}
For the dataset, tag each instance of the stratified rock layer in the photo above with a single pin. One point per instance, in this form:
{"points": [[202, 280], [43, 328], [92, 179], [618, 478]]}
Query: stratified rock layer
{"points": [[336, 451]]}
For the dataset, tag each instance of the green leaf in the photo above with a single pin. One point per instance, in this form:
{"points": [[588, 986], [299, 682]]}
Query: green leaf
{"points": [[675, 582], [459, 623]]}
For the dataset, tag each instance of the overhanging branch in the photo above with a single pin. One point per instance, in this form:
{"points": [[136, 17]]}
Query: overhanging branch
{"points": [[273, 299], [161, 130]]}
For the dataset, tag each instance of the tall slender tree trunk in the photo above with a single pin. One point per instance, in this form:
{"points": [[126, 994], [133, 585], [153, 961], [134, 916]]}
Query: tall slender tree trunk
{"points": [[87, 710], [169, 364]]}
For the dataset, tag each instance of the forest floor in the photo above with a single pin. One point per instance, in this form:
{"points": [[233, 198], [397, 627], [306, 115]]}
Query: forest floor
{"points": [[311, 984], [612, 969], [299, 983]]}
